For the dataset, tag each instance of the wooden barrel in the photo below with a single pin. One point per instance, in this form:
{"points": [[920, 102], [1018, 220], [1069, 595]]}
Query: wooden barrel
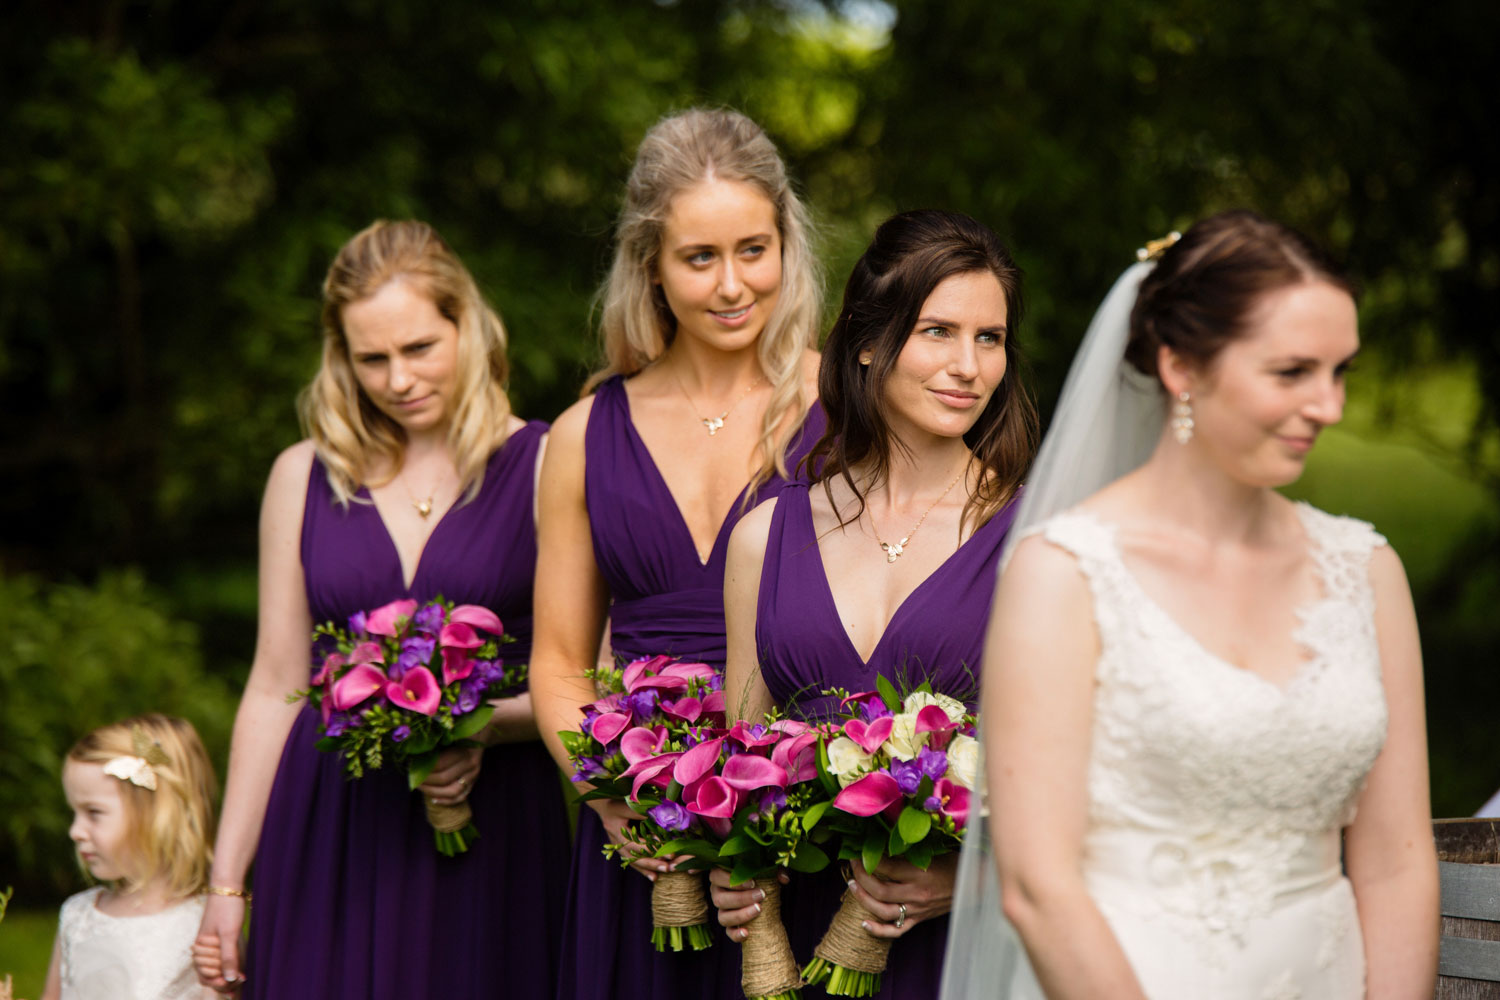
{"points": [[1469, 869]]}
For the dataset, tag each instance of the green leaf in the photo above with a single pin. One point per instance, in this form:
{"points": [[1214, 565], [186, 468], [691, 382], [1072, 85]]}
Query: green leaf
{"points": [[737, 844], [896, 844], [418, 745], [420, 767], [914, 824], [829, 781], [809, 858], [683, 845], [471, 724], [919, 855], [873, 849], [814, 814], [327, 743], [887, 692], [744, 871]]}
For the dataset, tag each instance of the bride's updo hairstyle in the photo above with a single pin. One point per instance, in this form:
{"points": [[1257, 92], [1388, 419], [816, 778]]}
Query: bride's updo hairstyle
{"points": [[911, 254], [354, 439], [636, 324], [1205, 287]]}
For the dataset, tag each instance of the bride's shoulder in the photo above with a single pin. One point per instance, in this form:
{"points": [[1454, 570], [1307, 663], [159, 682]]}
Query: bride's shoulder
{"points": [[1338, 532]]}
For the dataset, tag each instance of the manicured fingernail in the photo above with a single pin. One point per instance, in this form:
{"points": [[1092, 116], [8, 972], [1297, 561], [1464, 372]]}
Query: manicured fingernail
{"points": [[757, 909], [851, 883], [865, 924], [759, 895]]}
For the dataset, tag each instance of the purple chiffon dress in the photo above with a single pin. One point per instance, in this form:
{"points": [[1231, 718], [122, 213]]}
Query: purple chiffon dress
{"points": [[352, 900], [936, 634], [664, 601]]}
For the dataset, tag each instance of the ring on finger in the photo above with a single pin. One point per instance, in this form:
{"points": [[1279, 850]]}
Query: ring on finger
{"points": [[462, 782], [901, 918]]}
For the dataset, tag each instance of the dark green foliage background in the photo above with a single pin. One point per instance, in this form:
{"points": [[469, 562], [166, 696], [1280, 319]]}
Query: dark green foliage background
{"points": [[175, 176]]}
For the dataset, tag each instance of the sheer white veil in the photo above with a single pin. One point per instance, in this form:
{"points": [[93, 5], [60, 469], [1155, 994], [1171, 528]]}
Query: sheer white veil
{"points": [[1108, 420]]}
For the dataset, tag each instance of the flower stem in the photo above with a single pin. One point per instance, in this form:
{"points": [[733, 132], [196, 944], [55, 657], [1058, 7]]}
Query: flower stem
{"points": [[841, 982], [697, 937]]}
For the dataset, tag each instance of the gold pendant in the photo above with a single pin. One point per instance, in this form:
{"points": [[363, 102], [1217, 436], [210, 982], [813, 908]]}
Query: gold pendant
{"points": [[424, 507], [893, 550], [713, 424]]}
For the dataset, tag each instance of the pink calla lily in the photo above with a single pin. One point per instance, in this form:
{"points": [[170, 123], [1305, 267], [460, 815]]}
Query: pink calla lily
{"points": [[357, 685], [610, 725], [955, 800], [366, 652], [457, 664], [870, 735], [661, 682], [862, 698], [640, 743], [636, 669], [325, 708], [716, 797], [714, 703], [748, 772], [798, 757], [687, 709], [745, 736], [609, 703], [932, 719], [457, 635], [417, 690], [689, 671], [790, 727], [651, 771], [477, 616], [332, 663], [871, 794], [382, 621], [697, 762]]}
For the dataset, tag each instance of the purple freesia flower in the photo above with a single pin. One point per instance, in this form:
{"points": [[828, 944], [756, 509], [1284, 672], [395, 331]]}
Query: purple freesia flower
{"points": [[357, 622], [421, 645], [468, 700], [671, 816], [588, 767], [933, 804], [642, 703], [586, 727], [338, 722], [872, 710], [400, 733], [772, 800], [429, 619], [908, 775], [934, 763]]}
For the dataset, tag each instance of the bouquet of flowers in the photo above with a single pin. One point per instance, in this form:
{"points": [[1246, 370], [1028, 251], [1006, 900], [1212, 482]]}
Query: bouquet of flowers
{"points": [[900, 771], [380, 697], [747, 799], [653, 706]]}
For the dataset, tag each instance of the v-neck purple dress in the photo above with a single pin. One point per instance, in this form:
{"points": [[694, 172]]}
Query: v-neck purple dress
{"points": [[352, 900], [936, 634], [664, 601]]}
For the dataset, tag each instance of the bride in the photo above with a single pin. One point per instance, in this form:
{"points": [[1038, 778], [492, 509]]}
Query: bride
{"points": [[1194, 686]]}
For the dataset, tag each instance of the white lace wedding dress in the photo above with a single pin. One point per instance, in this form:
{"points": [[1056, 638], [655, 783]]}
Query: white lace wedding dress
{"points": [[1216, 797]]}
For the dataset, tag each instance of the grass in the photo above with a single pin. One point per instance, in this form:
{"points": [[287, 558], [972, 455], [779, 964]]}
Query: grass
{"points": [[26, 948]]}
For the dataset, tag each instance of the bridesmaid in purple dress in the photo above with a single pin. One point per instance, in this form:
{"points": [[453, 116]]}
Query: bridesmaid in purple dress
{"points": [[710, 310], [885, 565], [417, 481]]}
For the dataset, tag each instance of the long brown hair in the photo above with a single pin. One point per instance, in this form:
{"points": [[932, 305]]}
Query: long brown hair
{"points": [[911, 254]]}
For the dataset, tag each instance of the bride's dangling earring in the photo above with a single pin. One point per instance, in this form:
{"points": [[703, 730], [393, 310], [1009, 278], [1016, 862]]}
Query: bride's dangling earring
{"points": [[1182, 418]]}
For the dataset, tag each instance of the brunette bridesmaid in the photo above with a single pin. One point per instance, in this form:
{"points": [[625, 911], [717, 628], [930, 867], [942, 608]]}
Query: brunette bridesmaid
{"points": [[710, 314], [416, 481], [886, 563]]}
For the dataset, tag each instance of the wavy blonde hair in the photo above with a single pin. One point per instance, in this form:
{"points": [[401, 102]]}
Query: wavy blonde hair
{"points": [[353, 437], [169, 831], [636, 325]]}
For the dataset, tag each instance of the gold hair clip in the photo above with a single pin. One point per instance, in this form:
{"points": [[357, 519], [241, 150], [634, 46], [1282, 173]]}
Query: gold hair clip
{"points": [[135, 770], [1155, 248], [147, 748]]}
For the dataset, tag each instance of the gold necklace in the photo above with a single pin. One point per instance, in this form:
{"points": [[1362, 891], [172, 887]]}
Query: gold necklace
{"points": [[714, 424], [423, 506], [893, 550]]}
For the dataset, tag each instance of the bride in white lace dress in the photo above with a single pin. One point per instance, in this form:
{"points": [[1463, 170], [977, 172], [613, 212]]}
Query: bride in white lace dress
{"points": [[1194, 686]]}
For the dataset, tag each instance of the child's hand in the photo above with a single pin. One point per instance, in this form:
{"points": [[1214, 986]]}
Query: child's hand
{"points": [[216, 949]]}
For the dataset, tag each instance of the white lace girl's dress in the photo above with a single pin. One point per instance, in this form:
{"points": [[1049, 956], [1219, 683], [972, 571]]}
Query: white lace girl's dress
{"points": [[1216, 798], [128, 958]]}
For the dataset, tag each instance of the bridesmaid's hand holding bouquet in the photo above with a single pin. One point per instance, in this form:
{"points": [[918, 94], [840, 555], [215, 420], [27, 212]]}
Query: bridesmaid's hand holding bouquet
{"points": [[405, 681]]}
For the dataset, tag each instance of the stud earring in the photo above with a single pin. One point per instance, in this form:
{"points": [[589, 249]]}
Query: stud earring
{"points": [[864, 359], [1182, 418]]}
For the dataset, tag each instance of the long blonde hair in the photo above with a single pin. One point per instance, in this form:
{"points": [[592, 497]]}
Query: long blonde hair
{"points": [[170, 830], [636, 325], [353, 437]]}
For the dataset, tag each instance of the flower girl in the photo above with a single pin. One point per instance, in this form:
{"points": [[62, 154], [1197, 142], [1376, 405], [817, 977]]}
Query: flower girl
{"points": [[142, 795]]}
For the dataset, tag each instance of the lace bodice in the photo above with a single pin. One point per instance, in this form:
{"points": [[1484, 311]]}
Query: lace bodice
{"points": [[128, 958], [1213, 792]]}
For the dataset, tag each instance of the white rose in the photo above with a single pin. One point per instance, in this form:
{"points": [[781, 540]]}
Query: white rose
{"points": [[903, 743], [952, 707], [963, 760], [847, 761]]}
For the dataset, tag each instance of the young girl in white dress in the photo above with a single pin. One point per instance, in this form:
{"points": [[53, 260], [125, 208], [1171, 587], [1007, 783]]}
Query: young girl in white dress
{"points": [[1203, 710], [142, 796]]}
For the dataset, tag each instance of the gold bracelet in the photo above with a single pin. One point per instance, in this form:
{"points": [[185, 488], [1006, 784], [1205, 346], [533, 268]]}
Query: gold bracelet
{"points": [[224, 890]]}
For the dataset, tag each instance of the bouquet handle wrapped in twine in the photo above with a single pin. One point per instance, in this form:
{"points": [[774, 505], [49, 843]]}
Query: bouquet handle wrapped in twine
{"points": [[679, 912], [453, 825], [768, 971], [849, 957]]}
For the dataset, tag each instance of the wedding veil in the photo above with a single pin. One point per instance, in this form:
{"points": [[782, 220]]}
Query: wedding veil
{"points": [[1108, 420]]}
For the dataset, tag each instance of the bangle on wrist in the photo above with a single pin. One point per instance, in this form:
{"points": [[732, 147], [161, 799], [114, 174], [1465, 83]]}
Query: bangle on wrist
{"points": [[224, 890]]}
